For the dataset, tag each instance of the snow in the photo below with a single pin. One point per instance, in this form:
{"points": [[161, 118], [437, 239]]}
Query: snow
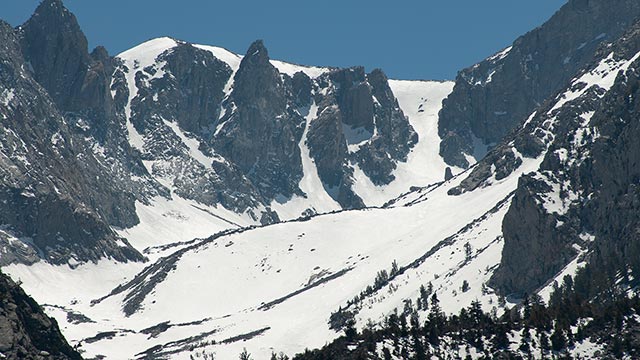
{"points": [[420, 101], [501, 55], [192, 144], [7, 96], [226, 282], [604, 76], [233, 60], [285, 280], [317, 198], [137, 58], [290, 69], [226, 56], [169, 221]]}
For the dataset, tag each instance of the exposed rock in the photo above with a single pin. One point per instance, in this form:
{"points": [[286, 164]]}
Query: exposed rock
{"points": [[448, 175], [301, 86], [394, 135], [54, 191], [495, 96], [328, 147], [584, 195], [261, 129], [26, 332]]}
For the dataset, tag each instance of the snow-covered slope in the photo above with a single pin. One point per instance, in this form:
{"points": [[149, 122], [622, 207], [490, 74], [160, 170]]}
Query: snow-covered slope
{"points": [[278, 285]]}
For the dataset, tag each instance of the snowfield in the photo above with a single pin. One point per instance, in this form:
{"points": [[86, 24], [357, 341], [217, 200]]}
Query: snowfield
{"points": [[217, 283]]}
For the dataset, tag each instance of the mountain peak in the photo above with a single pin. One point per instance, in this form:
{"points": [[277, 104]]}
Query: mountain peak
{"points": [[52, 8], [53, 32], [257, 48], [257, 77], [257, 52]]}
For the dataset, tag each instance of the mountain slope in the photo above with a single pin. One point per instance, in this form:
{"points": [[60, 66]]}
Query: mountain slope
{"points": [[224, 142], [494, 97]]}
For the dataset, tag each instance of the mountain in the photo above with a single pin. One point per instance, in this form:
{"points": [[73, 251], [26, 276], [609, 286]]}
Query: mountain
{"points": [[244, 139], [179, 200], [492, 98], [50, 175]]}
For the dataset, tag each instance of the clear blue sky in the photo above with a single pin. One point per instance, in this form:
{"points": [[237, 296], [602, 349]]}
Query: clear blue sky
{"points": [[408, 39]]}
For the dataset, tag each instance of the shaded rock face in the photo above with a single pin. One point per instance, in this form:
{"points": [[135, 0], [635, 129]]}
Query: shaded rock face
{"points": [[261, 128], [359, 123], [494, 97], [583, 200], [56, 48], [394, 135], [48, 178], [200, 80], [26, 332], [179, 97]]}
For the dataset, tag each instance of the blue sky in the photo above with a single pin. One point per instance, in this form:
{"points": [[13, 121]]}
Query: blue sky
{"points": [[408, 39]]}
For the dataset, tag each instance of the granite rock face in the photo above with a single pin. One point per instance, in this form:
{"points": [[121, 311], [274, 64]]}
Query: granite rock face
{"points": [[583, 201], [359, 123], [26, 332], [495, 96], [55, 193], [261, 128]]}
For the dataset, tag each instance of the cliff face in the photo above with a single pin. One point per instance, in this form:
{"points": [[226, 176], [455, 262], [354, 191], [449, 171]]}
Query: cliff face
{"points": [[261, 128], [581, 205], [495, 96], [54, 190], [26, 332]]}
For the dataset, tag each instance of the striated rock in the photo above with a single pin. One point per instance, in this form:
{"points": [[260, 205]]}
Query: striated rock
{"points": [[394, 135], [538, 245], [57, 196], [193, 94], [56, 49], [328, 146]]}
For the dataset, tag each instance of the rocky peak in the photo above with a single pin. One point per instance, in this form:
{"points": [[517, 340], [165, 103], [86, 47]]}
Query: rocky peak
{"points": [[101, 54], [57, 50], [257, 79], [261, 129], [380, 88], [198, 79], [353, 94]]}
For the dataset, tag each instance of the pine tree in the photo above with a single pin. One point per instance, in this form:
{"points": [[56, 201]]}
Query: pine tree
{"points": [[394, 268], [386, 353], [467, 252], [424, 298], [500, 340], [544, 343], [525, 342], [558, 340], [244, 355]]}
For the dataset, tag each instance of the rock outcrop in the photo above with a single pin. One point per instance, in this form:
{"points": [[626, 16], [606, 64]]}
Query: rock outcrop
{"points": [[582, 203], [261, 127], [495, 96], [26, 332]]}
